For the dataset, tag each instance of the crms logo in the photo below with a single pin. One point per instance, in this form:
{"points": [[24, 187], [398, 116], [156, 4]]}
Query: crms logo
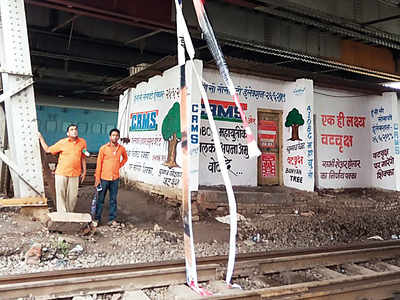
{"points": [[144, 121], [223, 111]]}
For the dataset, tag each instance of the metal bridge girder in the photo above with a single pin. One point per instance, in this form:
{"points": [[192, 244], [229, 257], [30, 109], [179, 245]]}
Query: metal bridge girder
{"points": [[19, 100]]}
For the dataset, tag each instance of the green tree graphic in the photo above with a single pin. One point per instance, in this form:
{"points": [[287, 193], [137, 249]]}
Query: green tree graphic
{"points": [[171, 132], [294, 119]]}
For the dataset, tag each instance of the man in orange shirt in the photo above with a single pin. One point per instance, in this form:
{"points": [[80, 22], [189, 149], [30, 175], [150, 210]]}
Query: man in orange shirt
{"points": [[107, 174], [71, 164]]}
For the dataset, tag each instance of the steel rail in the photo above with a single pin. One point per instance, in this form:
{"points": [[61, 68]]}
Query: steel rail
{"points": [[117, 278], [220, 260], [373, 287], [71, 282], [377, 286]]}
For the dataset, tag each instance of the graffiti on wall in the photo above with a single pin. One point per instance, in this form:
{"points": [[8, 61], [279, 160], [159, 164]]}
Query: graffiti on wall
{"points": [[340, 121], [294, 120], [338, 140], [381, 126], [159, 145], [268, 164], [343, 121], [237, 149], [233, 144], [342, 127], [213, 166], [167, 94], [171, 132], [247, 92], [153, 112], [144, 121], [310, 149], [223, 111], [396, 138], [381, 160], [295, 147], [382, 133], [336, 168], [295, 175]]}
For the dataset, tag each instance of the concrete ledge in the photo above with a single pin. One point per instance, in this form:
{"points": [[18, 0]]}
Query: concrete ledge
{"points": [[260, 201], [173, 195], [250, 200]]}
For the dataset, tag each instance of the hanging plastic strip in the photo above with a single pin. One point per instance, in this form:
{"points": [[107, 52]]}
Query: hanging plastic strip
{"points": [[190, 258], [220, 155]]}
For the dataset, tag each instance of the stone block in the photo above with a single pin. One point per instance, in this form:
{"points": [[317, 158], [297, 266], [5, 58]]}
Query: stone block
{"points": [[67, 222], [32, 256]]}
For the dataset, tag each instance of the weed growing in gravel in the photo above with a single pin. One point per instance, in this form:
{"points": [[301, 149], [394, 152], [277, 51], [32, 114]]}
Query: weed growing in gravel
{"points": [[62, 247]]}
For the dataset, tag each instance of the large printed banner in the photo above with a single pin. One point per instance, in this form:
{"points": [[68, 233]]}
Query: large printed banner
{"points": [[151, 112]]}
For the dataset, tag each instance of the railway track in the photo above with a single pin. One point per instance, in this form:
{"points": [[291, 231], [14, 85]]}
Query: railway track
{"points": [[366, 271]]}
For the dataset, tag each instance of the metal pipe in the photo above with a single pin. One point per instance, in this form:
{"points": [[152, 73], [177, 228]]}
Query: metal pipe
{"points": [[65, 23], [141, 37]]}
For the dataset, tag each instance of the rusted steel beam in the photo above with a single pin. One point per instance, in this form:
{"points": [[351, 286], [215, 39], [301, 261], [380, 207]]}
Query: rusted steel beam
{"points": [[143, 20]]}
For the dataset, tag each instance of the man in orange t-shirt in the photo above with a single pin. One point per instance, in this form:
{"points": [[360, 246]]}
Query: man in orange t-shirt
{"points": [[107, 174], [71, 164]]}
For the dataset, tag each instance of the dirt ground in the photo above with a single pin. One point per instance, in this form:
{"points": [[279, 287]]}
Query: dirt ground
{"points": [[143, 211], [152, 231]]}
